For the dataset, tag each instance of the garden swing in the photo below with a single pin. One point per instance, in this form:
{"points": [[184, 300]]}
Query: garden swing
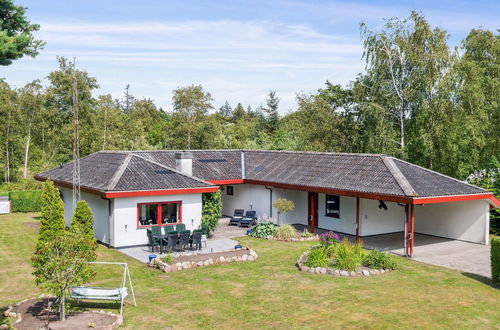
{"points": [[113, 294]]}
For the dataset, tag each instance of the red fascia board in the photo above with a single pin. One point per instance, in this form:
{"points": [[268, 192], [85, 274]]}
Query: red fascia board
{"points": [[457, 198], [340, 192], [231, 181], [121, 194]]}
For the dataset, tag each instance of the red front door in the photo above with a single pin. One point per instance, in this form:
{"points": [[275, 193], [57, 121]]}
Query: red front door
{"points": [[312, 211]]}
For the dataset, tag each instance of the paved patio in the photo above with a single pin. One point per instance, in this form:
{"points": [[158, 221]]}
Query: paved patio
{"points": [[220, 241], [463, 256]]}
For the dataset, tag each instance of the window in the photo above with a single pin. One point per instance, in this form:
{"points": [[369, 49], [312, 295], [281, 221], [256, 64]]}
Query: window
{"points": [[332, 206], [229, 190], [162, 214]]}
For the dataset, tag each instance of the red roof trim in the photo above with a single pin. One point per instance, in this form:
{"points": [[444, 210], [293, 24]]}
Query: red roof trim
{"points": [[121, 194], [457, 198], [232, 181], [349, 193], [69, 185]]}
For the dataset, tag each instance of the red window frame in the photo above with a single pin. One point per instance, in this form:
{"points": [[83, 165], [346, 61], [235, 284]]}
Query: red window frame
{"points": [[159, 214]]}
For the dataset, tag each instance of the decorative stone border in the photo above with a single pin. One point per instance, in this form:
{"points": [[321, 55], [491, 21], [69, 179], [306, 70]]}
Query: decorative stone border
{"points": [[293, 239], [18, 316], [336, 272], [251, 255]]}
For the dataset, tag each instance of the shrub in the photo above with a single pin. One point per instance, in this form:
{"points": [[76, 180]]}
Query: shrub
{"points": [[285, 232], [379, 260], [495, 259], [348, 256], [82, 223], [52, 223], [168, 258], [317, 258], [306, 234], [26, 200], [329, 238], [212, 210], [284, 206], [263, 229]]}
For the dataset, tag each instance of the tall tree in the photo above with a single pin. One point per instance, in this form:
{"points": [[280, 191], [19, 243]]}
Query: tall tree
{"points": [[191, 105], [225, 110], [52, 223], [270, 111], [16, 33]]}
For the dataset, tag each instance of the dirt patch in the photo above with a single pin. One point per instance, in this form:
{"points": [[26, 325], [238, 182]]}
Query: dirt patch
{"points": [[36, 314], [203, 257], [34, 225]]}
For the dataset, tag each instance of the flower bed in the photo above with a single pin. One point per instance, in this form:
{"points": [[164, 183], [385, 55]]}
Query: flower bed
{"points": [[332, 257], [362, 271], [294, 239], [202, 260]]}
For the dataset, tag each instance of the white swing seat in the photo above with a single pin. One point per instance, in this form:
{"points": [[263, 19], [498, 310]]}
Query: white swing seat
{"points": [[95, 293]]}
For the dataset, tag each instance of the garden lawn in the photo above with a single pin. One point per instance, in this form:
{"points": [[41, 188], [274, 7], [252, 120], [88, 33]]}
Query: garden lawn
{"points": [[269, 293]]}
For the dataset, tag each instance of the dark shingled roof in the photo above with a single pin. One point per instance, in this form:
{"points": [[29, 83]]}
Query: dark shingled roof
{"points": [[364, 173]]}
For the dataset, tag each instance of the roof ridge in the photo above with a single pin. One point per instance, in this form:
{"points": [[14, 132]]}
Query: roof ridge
{"points": [[314, 152], [171, 169], [441, 174], [118, 174], [396, 173]]}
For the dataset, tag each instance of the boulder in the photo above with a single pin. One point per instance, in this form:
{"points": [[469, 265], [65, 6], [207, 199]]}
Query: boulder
{"points": [[365, 272], [344, 273]]}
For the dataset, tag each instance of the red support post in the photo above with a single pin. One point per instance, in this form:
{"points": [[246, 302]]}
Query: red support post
{"points": [[412, 226], [357, 220]]}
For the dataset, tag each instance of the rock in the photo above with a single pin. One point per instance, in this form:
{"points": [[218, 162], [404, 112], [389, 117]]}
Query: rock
{"points": [[200, 263], [382, 271], [250, 258], [372, 272], [323, 271], [210, 261], [365, 272], [311, 270], [222, 259], [336, 272], [376, 271], [245, 257], [344, 273], [168, 269], [253, 253], [330, 271], [304, 268], [178, 265], [206, 263], [353, 273]]}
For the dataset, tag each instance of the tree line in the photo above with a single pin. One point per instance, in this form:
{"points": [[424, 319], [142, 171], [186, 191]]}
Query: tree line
{"points": [[418, 99]]}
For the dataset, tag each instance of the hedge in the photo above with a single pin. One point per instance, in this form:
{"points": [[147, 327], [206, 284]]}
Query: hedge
{"points": [[26, 200], [495, 259]]}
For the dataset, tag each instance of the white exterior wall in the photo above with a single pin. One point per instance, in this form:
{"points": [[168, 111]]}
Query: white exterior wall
{"points": [[465, 220], [256, 197], [376, 221], [98, 206], [347, 221], [126, 232]]}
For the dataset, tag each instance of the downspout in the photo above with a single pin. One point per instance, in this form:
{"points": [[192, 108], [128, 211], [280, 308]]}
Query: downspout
{"points": [[270, 201], [110, 222]]}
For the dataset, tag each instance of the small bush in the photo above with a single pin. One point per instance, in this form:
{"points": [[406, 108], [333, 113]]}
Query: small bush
{"points": [[495, 260], [379, 260], [317, 258], [263, 229], [306, 234], [348, 256], [285, 232], [167, 259], [26, 200]]}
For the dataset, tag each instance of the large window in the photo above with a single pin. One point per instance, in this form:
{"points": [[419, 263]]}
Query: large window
{"points": [[332, 206], [159, 214]]}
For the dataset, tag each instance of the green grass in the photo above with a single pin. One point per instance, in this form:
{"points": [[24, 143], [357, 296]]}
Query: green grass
{"points": [[4, 193], [271, 292]]}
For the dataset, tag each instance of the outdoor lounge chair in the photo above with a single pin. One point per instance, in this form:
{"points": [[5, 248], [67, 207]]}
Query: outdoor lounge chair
{"points": [[249, 219], [237, 216]]}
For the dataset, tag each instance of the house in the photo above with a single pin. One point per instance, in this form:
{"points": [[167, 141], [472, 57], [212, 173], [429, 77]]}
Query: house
{"points": [[356, 194]]}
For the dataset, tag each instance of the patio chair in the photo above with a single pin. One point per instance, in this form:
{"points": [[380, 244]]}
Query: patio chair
{"points": [[237, 216], [180, 227], [184, 239], [196, 240], [203, 236], [172, 241], [156, 230], [168, 229], [152, 241], [249, 219]]}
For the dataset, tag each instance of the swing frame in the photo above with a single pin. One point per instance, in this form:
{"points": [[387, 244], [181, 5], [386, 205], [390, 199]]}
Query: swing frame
{"points": [[123, 289]]}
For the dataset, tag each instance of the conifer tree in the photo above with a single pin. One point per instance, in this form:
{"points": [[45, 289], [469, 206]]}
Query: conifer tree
{"points": [[82, 223], [52, 223]]}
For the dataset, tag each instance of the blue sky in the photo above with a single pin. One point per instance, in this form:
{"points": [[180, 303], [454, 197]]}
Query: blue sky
{"points": [[237, 50]]}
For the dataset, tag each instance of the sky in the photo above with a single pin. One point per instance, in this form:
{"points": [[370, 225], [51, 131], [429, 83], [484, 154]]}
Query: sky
{"points": [[237, 50]]}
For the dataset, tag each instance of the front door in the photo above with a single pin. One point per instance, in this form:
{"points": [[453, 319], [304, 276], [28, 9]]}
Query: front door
{"points": [[312, 211]]}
